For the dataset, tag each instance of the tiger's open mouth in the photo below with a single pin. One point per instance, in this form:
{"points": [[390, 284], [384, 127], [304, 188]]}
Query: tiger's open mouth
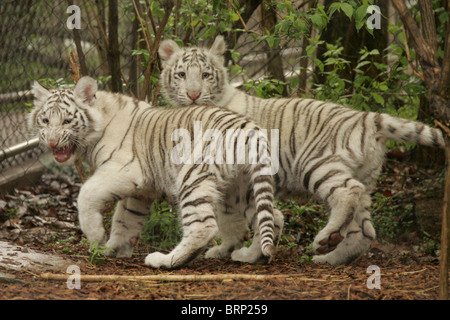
{"points": [[64, 153]]}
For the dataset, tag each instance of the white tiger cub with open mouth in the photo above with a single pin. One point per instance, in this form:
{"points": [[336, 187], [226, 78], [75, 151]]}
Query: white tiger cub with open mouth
{"points": [[130, 145], [332, 152]]}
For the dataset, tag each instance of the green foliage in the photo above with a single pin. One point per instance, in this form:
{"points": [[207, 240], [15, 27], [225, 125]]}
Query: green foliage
{"points": [[161, 229], [96, 253], [302, 221], [55, 83], [265, 87], [391, 219]]}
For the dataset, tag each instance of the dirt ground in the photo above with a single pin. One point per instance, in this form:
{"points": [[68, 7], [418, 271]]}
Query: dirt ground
{"points": [[43, 218], [398, 280]]}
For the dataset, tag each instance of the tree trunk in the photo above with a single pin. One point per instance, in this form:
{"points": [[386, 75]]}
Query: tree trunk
{"points": [[113, 46], [274, 61], [303, 75], [133, 72], [102, 43]]}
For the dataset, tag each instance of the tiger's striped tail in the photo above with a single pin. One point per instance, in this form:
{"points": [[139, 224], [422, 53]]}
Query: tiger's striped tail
{"points": [[406, 130], [263, 191]]}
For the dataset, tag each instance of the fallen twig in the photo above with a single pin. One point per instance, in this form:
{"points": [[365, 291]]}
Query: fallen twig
{"points": [[180, 278]]}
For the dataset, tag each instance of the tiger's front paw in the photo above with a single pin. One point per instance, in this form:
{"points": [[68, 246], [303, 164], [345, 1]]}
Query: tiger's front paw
{"points": [[99, 237], [157, 260], [121, 248], [218, 252]]}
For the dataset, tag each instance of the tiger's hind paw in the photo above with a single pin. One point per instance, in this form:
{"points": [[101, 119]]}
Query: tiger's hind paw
{"points": [[330, 243], [249, 255], [336, 248]]}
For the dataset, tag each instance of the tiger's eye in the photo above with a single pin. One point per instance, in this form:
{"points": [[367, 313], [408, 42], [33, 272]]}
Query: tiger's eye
{"points": [[67, 121], [45, 121], [205, 75], [182, 75]]}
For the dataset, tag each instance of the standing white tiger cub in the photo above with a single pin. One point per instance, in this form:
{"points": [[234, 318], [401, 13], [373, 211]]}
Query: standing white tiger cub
{"points": [[130, 144], [332, 152]]}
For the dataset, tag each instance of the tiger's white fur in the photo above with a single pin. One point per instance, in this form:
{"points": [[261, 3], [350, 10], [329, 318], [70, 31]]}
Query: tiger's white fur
{"points": [[330, 151], [129, 145]]}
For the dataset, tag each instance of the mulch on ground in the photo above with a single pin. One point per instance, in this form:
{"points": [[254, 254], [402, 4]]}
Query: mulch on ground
{"points": [[44, 218]]}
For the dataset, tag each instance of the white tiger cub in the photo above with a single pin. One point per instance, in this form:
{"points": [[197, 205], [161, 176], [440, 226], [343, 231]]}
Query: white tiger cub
{"points": [[132, 148], [333, 152]]}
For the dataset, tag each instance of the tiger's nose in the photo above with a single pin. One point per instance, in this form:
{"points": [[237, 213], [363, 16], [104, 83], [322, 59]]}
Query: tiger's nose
{"points": [[193, 96], [53, 144]]}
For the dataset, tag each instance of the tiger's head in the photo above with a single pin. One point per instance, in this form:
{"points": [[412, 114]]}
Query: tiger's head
{"points": [[194, 75], [66, 119]]}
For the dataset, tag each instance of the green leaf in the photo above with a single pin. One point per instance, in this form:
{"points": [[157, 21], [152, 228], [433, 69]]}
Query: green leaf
{"points": [[272, 41], [210, 32], [359, 24], [223, 26], [317, 20], [348, 9], [235, 55], [360, 16], [361, 64], [333, 7], [378, 99], [294, 82], [234, 17], [319, 64], [310, 50]]}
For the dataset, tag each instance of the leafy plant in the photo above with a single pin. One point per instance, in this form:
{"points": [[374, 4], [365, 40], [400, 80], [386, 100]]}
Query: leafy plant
{"points": [[161, 229], [392, 219], [302, 221], [96, 253], [265, 87]]}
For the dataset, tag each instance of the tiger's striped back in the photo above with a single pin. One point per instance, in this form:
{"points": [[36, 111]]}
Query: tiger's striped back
{"points": [[157, 125], [310, 129]]}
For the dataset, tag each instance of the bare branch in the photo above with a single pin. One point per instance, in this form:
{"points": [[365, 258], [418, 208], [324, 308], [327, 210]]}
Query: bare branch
{"points": [[408, 56]]}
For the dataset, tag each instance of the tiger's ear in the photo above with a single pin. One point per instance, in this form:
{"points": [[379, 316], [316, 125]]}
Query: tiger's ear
{"points": [[85, 90], [166, 50], [40, 94], [218, 47]]}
